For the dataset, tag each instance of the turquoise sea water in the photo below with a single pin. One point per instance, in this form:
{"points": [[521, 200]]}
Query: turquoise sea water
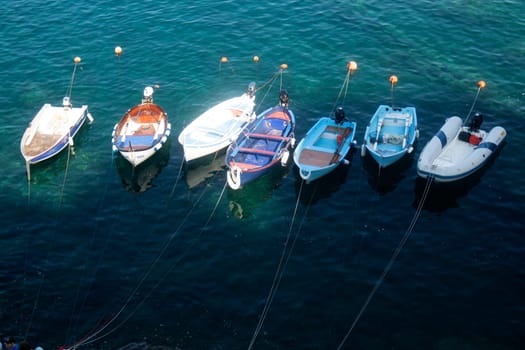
{"points": [[184, 265]]}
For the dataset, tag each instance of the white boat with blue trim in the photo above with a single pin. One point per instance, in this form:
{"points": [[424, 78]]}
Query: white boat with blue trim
{"points": [[218, 127], [458, 150], [324, 146], [53, 129]]}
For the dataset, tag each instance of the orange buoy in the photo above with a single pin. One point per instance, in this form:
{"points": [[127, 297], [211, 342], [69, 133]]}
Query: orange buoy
{"points": [[352, 65], [224, 59], [77, 59], [255, 58], [482, 84], [118, 51], [284, 66], [393, 79]]}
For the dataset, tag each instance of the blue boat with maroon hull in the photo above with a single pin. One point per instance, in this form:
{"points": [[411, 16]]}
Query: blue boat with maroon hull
{"points": [[264, 144]]}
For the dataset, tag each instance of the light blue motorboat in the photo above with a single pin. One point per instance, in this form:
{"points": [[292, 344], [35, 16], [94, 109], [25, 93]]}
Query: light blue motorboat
{"points": [[324, 146], [390, 134]]}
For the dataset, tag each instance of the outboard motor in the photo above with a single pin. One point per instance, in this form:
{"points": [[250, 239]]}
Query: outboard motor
{"points": [[148, 95], [66, 101], [476, 122], [251, 89], [339, 115], [283, 98]]}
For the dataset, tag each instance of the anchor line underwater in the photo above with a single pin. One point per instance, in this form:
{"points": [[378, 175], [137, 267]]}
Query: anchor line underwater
{"points": [[101, 251], [46, 259], [388, 266], [96, 334], [281, 267]]}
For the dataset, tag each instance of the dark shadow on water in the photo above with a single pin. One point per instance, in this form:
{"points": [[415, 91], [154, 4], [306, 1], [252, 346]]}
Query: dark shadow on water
{"points": [[244, 201], [384, 180], [443, 196], [140, 178], [325, 186], [202, 169]]}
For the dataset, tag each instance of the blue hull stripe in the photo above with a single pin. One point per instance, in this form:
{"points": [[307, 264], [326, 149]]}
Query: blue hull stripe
{"points": [[489, 145], [61, 144], [442, 138]]}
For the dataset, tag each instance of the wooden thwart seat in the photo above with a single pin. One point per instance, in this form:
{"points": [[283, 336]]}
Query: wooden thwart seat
{"points": [[338, 129], [267, 136], [317, 158], [259, 151]]}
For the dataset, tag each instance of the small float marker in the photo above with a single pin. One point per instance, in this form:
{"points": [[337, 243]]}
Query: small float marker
{"points": [[482, 84], [76, 60], [352, 66], [393, 79], [118, 51]]}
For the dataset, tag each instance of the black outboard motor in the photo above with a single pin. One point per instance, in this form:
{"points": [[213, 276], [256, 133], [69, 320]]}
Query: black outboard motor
{"points": [[339, 115], [476, 122], [251, 89], [283, 98]]}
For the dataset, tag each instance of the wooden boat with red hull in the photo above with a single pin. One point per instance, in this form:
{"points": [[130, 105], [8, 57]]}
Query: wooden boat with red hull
{"points": [[142, 131]]}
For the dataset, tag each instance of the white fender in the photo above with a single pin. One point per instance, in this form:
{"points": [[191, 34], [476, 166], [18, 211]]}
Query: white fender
{"points": [[285, 157], [233, 176]]}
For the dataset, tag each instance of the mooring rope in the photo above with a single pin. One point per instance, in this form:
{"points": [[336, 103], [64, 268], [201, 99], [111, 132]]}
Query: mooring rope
{"points": [[101, 250], [96, 335], [176, 179], [65, 173], [344, 87], [285, 256], [391, 261]]}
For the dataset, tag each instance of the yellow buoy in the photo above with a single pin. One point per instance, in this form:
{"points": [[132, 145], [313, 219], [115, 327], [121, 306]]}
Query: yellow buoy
{"points": [[352, 65], [118, 51], [256, 59], [393, 79], [482, 84], [284, 66], [77, 59], [224, 59]]}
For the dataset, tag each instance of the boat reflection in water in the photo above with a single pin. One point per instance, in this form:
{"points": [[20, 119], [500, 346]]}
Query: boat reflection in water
{"points": [[325, 186], [202, 169], [384, 180], [140, 178], [443, 196], [243, 202]]}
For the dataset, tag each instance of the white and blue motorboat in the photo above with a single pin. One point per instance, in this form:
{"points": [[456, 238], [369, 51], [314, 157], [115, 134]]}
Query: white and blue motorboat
{"points": [[458, 150], [390, 134], [53, 129], [324, 146]]}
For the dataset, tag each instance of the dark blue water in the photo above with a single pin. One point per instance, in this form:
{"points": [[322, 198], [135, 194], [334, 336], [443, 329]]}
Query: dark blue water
{"points": [[153, 260]]}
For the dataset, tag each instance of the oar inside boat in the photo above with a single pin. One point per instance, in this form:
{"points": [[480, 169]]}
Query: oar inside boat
{"points": [[339, 118]]}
